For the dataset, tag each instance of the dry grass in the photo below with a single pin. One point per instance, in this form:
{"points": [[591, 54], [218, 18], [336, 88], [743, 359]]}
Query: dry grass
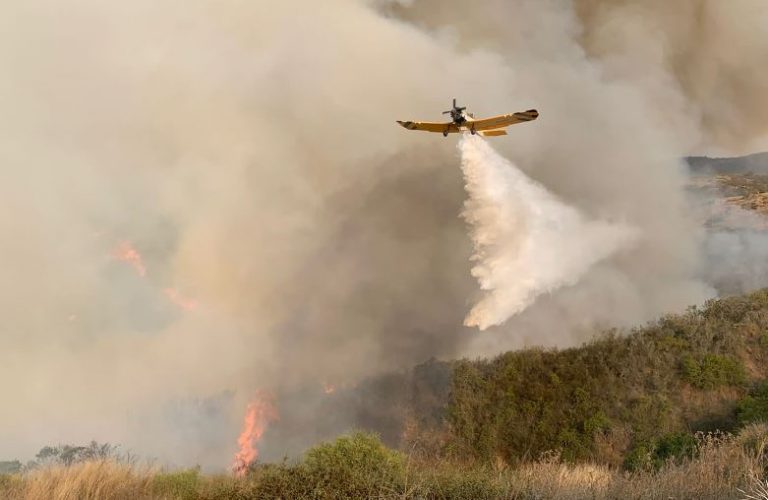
{"points": [[727, 467], [102, 480]]}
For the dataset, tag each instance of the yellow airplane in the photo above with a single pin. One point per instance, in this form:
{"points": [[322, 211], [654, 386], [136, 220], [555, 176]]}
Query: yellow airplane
{"points": [[466, 122]]}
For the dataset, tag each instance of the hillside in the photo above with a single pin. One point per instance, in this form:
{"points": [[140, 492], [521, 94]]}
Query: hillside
{"points": [[621, 399], [629, 415], [755, 163]]}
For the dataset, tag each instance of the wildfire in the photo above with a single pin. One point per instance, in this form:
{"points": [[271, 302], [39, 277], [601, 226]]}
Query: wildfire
{"points": [[183, 302], [259, 413], [126, 253]]}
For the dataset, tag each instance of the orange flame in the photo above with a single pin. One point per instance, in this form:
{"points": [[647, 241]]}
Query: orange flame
{"points": [[183, 302], [259, 413], [329, 388], [126, 253]]}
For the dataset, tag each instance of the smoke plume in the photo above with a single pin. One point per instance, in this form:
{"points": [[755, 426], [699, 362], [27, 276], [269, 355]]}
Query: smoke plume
{"points": [[527, 242], [249, 153]]}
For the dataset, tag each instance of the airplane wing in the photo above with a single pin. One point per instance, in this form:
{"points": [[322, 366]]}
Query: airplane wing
{"points": [[505, 120], [450, 127]]}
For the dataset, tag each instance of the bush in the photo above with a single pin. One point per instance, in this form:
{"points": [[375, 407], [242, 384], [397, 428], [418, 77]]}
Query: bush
{"points": [[763, 341], [10, 467], [182, 485], [754, 407], [355, 466], [68, 454], [229, 488], [640, 457], [285, 481], [652, 455], [675, 447], [713, 371]]}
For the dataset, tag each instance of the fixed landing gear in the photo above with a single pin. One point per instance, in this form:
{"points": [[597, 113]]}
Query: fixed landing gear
{"points": [[445, 133], [474, 132]]}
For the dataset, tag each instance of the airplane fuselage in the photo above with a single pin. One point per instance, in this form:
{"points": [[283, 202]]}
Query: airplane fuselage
{"points": [[459, 117], [463, 121]]}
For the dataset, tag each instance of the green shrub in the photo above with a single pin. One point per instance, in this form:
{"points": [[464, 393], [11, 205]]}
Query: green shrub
{"points": [[764, 340], [640, 457], [754, 407], [355, 466], [10, 467], [286, 481], [182, 485], [652, 454], [713, 371], [228, 488], [675, 446]]}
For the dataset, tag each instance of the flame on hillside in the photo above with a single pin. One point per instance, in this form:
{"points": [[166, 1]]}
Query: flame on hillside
{"points": [[125, 252], [259, 413], [183, 302]]}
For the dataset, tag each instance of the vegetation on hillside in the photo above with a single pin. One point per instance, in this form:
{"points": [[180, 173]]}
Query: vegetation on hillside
{"points": [[678, 408], [622, 400], [754, 163]]}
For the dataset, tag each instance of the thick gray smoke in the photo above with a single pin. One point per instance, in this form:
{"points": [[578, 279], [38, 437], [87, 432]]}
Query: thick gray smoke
{"points": [[249, 153], [735, 244], [527, 242]]}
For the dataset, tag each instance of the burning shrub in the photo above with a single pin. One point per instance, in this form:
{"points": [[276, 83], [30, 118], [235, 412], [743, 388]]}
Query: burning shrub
{"points": [[260, 412]]}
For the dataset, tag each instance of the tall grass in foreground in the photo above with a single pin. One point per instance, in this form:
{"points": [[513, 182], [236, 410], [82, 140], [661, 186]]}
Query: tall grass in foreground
{"points": [[87, 480], [359, 466]]}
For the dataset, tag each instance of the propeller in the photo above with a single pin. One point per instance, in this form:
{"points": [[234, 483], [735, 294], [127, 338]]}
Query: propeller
{"points": [[455, 108]]}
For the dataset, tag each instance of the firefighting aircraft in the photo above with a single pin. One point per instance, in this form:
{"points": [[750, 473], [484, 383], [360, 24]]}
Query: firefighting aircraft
{"points": [[466, 122]]}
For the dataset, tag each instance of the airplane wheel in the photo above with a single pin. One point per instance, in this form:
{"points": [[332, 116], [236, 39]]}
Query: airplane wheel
{"points": [[474, 132], [445, 134]]}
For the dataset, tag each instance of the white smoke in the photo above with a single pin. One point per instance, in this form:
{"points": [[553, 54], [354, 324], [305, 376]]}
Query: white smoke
{"points": [[526, 241]]}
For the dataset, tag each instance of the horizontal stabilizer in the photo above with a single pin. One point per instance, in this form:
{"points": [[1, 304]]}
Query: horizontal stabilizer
{"points": [[491, 133]]}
